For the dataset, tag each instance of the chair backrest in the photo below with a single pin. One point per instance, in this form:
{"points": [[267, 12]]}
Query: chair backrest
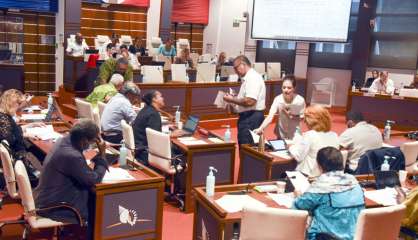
{"points": [[195, 58], [182, 43], [101, 105], [128, 135], [405, 92], [260, 67], [323, 89], [159, 147], [152, 74], [84, 109], [178, 72], [273, 223], [100, 43], [274, 70], [96, 119], [381, 223], [226, 71], [25, 191], [345, 156], [156, 42], [125, 39], [205, 72], [410, 152], [8, 172]]}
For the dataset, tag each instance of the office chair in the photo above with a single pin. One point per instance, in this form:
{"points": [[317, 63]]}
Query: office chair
{"points": [[101, 105], [8, 171], [323, 92], [155, 45], [273, 223], [84, 109], [152, 74], [128, 138], [274, 70], [195, 58], [126, 40], [182, 43], [160, 157], [33, 220], [260, 67], [381, 223], [178, 73], [100, 43], [205, 72]]}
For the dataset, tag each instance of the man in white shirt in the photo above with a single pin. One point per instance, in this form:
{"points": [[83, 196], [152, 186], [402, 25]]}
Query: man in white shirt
{"points": [[359, 138], [250, 101], [133, 59], [78, 47], [383, 84], [119, 108]]}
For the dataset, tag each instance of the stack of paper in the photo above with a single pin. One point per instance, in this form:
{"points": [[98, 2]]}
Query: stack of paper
{"points": [[219, 100], [44, 133], [215, 140], [299, 182], [283, 199], [282, 154], [385, 197], [235, 203], [255, 136], [32, 108], [117, 174], [191, 141]]}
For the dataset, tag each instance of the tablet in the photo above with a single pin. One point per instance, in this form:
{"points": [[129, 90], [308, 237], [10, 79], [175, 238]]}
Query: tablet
{"points": [[278, 145]]}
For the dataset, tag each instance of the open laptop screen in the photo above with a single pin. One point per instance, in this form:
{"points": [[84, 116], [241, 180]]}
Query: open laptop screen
{"points": [[191, 123]]}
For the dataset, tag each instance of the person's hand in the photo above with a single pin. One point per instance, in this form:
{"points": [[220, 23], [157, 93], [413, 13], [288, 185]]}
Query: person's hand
{"points": [[286, 110], [297, 193], [258, 131], [228, 98], [101, 145], [400, 195], [31, 136], [176, 133]]}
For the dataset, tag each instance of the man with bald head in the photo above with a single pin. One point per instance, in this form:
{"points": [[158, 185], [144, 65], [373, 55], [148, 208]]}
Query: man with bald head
{"points": [[383, 84]]}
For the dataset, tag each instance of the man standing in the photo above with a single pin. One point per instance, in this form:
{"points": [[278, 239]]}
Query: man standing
{"points": [[359, 138], [104, 92], [111, 66], [383, 84], [250, 102], [78, 47]]}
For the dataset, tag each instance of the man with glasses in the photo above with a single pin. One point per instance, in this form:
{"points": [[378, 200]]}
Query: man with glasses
{"points": [[250, 101]]}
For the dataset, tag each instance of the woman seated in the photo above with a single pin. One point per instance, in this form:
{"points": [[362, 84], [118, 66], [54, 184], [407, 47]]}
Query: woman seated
{"points": [[137, 48], [184, 58], [334, 199], [290, 107], [10, 102], [305, 147], [168, 49], [148, 117]]}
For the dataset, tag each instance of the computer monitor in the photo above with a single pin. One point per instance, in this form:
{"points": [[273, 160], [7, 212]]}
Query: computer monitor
{"points": [[5, 54], [191, 124]]}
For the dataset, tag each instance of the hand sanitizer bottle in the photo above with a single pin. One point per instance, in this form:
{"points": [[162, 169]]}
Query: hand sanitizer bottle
{"points": [[353, 86], [387, 130], [177, 115], [227, 135], [218, 78], [50, 100], [123, 152], [385, 165], [210, 182]]}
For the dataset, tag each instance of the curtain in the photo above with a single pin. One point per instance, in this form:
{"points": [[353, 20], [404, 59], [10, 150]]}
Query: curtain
{"points": [[138, 3], [190, 11]]}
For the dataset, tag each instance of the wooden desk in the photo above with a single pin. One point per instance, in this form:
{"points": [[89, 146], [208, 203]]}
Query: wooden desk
{"points": [[379, 108], [199, 158], [219, 224], [143, 197], [256, 166]]}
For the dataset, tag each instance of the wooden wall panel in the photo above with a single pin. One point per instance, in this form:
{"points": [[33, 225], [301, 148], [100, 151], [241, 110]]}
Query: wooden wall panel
{"points": [[193, 32], [39, 59], [115, 19]]}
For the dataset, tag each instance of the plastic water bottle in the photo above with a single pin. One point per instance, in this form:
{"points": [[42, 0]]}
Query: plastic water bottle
{"points": [[227, 135], [123, 153], [50, 100], [387, 130], [385, 165], [218, 78], [353, 87], [177, 115], [210, 182]]}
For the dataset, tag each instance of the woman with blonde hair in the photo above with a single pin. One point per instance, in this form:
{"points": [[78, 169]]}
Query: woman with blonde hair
{"points": [[10, 101], [319, 135]]}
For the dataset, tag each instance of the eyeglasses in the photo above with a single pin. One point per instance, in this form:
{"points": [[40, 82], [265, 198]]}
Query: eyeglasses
{"points": [[237, 66]]}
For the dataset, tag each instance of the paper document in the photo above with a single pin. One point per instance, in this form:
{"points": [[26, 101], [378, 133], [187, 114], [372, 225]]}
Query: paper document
{"points": [[116, 174], [215, 140], [235, 203], [186, 139], [32, 108], [298, 180], [43, 133], [283, 199], [386, 196], [282, 154], [266, 188], [255, 136], [33, 116], [219, 100], [194, 142]]}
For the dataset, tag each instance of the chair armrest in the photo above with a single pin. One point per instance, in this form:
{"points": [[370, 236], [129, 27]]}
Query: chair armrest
{"points": [[64, 205]]}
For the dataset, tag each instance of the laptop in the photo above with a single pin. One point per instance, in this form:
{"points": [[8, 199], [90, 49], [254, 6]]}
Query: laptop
{"points": [[386, 179], [190, 126], [277, 145]]}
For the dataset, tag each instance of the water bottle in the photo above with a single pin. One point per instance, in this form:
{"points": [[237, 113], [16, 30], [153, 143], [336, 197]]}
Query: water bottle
{"points": [[177, 115], [210, 182], [387, 130], [50, 100], [227, 135], [385, 165], [353, 87], [218, 78], [123, 153]]}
